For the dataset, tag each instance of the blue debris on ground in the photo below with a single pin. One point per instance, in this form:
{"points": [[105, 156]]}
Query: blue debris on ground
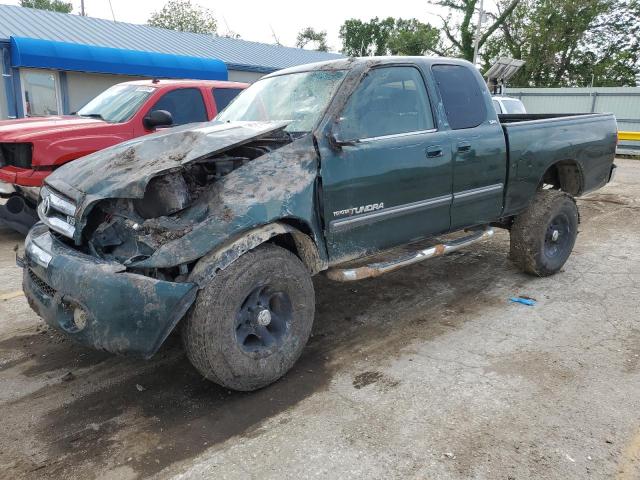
{"points": [[523, 300]]}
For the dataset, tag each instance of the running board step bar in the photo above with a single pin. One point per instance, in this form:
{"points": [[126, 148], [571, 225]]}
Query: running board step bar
{"points": [[377, 269]]}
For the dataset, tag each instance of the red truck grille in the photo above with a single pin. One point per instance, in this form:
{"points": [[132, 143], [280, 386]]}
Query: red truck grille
{"points": [[15, 155]]}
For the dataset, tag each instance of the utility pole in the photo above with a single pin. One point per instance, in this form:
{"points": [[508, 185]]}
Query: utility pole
{"points": [[112, 14], [82, 8], [478, 27]]}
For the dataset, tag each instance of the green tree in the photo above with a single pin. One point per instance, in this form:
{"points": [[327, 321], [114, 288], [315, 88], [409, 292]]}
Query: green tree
{"points": [[184, 16], [308, 35], [566, 43], [460, 29], [389, 36], [362, 39], [53, 5], [412, 37]]}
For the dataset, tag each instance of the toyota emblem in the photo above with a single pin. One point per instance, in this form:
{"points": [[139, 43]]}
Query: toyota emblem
{"points": [[46, 206]]}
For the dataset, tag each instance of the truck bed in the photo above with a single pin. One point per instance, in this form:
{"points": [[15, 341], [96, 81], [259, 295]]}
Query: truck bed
{"points": [[527, 117], [535, 142]]}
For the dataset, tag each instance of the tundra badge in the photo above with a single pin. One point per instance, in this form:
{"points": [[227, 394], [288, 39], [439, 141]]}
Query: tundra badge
{"points": [[362, 209]]}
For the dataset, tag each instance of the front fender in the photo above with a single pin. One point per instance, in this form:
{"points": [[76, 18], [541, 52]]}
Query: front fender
{"points": [[276, 186], [220, 258], [53, 153]]}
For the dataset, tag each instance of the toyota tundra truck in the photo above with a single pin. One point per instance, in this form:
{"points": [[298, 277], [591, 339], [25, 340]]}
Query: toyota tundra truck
{"points": [[31, 148], [353, 168]]}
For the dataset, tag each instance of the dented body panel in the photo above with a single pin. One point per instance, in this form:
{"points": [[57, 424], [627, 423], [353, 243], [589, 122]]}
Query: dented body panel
{"points": [[125, 170], [276, 186]]}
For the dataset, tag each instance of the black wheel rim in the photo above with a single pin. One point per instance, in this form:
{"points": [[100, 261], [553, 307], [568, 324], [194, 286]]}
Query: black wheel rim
{"points": [[263, 320], [557, 237]]}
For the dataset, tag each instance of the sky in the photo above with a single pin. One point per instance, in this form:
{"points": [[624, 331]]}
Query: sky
{"points": [[258, 20]]}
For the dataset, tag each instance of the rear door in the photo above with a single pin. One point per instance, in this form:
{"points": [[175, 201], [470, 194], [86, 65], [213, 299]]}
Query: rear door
{"points": [[478, 146], [392, 183]]}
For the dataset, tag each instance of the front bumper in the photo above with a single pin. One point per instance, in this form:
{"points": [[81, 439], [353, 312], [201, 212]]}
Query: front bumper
{"points": [[98, 303], [27, 177]]}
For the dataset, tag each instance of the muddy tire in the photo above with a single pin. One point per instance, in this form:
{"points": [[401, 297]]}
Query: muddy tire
{"points": [[248, 326], [543, 236]]}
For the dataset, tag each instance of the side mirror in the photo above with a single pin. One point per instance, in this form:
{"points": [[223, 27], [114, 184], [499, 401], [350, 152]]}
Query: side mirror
{"points": [[157, 118], [336, 136]]}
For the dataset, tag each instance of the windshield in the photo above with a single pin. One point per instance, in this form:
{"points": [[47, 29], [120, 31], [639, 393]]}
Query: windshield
{"points": [[298, 97], [117, 104], [513, 106]]}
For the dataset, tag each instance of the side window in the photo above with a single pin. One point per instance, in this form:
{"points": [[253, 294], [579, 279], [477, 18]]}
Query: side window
{"points": [[223, 96], [388, 101], [496, 105], [461, 95], [186, 105]]}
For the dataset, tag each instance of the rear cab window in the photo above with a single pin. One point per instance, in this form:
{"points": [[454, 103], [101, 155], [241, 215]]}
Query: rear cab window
{"points": [[461, 95], [185, 105], [389, 101], [223, 96]]}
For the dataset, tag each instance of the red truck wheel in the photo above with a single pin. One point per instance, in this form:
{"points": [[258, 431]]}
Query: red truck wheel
{"points": [[249, 325], [543, 236]]}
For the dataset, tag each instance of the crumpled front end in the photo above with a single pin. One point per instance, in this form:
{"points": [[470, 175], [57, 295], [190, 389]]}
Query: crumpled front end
{"points": [[98, 303], [113, 262], [160, 222]]}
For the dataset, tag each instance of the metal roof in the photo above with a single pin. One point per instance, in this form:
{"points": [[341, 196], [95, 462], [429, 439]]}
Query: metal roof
{"points": [[237, 54]]}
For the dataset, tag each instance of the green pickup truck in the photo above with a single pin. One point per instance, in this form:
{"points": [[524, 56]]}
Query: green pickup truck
{"points": [[353, 168]]}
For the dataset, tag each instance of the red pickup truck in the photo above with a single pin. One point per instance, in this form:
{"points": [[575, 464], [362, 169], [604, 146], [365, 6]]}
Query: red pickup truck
{"points": [[31, 148]]}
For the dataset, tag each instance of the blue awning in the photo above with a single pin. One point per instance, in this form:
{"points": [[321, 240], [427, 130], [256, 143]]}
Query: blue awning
{"points": [[36, 53]]}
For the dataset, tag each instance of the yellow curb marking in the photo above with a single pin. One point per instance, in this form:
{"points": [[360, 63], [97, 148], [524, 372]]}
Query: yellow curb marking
{"points": [[8, 296], [629, 465]]}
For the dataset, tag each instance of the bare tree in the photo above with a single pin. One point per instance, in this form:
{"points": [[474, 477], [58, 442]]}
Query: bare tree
{"points": [[458, 26], [308, 35]]}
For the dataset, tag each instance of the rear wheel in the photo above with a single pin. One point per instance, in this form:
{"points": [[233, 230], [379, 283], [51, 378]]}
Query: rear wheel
{"points": [[543, 236], [250, 324]]}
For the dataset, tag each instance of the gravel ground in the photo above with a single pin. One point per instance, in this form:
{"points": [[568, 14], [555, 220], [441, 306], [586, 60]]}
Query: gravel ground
{"points": [[428, 372]]}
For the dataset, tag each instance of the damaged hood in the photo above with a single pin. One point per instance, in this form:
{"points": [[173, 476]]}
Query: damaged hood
{"points": [[123, 171]]}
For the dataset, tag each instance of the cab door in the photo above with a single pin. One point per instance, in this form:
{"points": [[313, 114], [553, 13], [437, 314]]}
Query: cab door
{"points": [[478, 146], [389, 180], [186, 105]]}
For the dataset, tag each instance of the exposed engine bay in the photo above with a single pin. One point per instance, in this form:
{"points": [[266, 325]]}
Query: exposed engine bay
{"points": [[130, 230]]}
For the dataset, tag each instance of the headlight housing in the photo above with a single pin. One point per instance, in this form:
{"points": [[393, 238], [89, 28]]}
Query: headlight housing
{"points": [[163, 196]]}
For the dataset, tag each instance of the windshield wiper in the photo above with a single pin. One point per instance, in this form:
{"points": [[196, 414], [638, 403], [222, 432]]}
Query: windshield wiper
{"points": [[92, 115]]}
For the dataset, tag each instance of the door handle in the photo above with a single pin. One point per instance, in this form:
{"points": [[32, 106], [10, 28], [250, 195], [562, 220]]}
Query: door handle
{"points": [[434, 151], [464, 147]]}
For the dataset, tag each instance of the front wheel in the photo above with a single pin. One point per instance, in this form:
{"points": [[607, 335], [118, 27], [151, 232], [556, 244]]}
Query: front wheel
{"points": [[543, 236], [249, 325]]}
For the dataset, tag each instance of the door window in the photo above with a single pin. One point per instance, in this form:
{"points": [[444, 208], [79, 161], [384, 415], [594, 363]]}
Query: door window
{"points": [[40, 89], [185, 105], [223, 96], [496, 105], [461, 95], [389, 101]]}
